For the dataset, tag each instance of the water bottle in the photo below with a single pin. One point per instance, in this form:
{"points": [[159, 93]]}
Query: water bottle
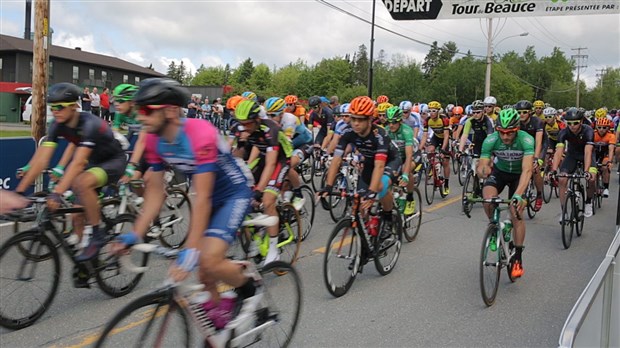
{"points": [[438, 170], [373, 225], [69, 196], [401, 201], [506, 229]]}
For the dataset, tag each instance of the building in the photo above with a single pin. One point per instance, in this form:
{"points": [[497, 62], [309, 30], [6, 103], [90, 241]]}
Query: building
{"points": [[82, 68]]}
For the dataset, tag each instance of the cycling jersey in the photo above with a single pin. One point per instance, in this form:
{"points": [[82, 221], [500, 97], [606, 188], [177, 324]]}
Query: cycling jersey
{"points": [[601, 144], [269, 137], [198, 148], [288, 123], [401, 138], [438, 125], [533, 126], [325, 120], [508, 158], [91, 132], [554, 129], [576, 142], [340, 127], [133, 125], [479, 130]]}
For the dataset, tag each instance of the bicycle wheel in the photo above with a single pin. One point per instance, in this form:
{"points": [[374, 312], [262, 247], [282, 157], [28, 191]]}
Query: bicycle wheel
{"points": [[29, 283], [342, 258], [568, 220], [440, 182], [387, 250], [580, 205], [490, 265], [429, 186], [111, 277], [175, 218], [280, 306], [305, 169], [599, 190], [317, 175], [153, 320], [463, 169], [307, 211], [455, 164], [324, 201], [419, 175], [339, 206], [289, 237], [413, 222], [530, 195], [468, 193], [547, 189]]}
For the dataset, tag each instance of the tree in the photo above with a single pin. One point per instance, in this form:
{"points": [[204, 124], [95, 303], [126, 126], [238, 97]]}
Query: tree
{"points": [[173, 71], [242, 74], [260, 79], [285, 80], [438, 57], [360, 67], [211, 76]]}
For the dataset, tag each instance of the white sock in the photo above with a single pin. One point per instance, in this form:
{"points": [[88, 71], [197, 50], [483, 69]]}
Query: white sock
{"points": [[273, 253]]}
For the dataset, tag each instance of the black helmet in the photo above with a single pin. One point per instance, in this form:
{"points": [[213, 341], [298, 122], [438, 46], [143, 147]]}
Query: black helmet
{"points": [[523, 105], [573, 114], [314, 101], [477, 105], [63, 92], [161, 91]]}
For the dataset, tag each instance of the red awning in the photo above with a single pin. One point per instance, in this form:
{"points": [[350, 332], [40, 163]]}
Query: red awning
{"points": [[9, 87]]}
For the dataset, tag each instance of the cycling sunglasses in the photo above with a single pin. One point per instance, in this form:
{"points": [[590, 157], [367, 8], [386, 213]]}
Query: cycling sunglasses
{"points": [[433, 110], [523, 112], [477, 112], [602, 128], [406, 111], [147, 110], [393, 121], [538, 108], [573, 123], [60, 106], [507, 131], [549, 117]]}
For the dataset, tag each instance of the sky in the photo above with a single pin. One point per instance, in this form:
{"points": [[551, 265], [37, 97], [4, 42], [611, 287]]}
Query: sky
{"points": [[276, 32]]}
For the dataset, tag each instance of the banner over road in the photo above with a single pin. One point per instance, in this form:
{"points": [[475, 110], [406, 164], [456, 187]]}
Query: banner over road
{"points": [[459, 9]]}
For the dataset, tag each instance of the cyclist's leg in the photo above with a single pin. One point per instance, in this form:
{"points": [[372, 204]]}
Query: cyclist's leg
{"points": [[492, 187], [269, 205], [518, 226], [568, 166]]}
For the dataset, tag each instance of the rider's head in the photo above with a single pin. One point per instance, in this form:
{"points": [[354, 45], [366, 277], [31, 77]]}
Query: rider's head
{"points": [[574, 118], [123, 97], [489, 104], [539, 106], [232, 102], [160, 102], [362, 110], [247, 114], [63, 100], [524, 107], [477, 109], [603, 125], [508, 123], [433, 108], [393, 117], [550, 115], [314, 103], [291, 103], [274, 107], [381, 111]]}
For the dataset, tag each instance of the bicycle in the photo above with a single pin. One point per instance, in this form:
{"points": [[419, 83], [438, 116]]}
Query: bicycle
{"points": [[549, 185], [472, 187], [465, 164], [165, 316], [356, 241], [574, 206], [530, 197], [434, 180], [319, 166], [597, 199], [410, 223], [23, 257], [346, 181], [497, 250], [306, 212]]}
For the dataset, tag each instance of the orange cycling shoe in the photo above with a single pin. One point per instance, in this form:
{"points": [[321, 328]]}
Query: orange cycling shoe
{"points": [[517, 270]]}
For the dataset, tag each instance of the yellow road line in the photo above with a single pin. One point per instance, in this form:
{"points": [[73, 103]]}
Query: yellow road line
{"points": [[443, 204], [345, 242]]}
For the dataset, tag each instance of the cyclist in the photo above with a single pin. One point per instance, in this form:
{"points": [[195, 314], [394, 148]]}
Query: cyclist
{"points": [[514, 152], [324, 117], [382, 99], [604, 145], [553, 126], [580, 138], [270, 153], [380, 159], [534, 126], [411, 118], [381, 111], [476, 129], [340, 127], [458, 111], [489, 107], [293, 107], [402, 135], [440, 139], [221, 183], [95, 157], [539, 107]]}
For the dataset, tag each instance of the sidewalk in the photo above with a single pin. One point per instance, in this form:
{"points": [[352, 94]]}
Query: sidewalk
{"points": [[14, 126]]}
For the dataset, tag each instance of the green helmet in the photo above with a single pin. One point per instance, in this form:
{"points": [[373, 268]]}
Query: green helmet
{"points": [[508, 119], [247, 110], [394, 114], [124, 92]]}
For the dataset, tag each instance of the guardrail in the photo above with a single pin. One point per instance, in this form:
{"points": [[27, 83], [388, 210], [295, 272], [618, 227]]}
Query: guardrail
{"points": [[594, 321]]}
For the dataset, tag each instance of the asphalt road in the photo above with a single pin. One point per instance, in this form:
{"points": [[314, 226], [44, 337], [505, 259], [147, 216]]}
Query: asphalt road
{"points": [[431, 299]]}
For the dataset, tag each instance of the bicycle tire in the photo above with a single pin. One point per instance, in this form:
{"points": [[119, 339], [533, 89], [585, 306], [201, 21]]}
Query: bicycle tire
{"points": [[412, 223], [510, 263], [119, 330], [175, 236], [388, 251], [420, 175], [463, 169], [308, 211], [337, 201], [531, 199], [441, 182], [580, 219], [489, 293], [109, 274], [290, 223], [568, 223], [26, 240], [429, 186], [350, 243], [305, 169], [324, 201], [275, 276], [547, 190], [455, 164], [466, 205], [316, 172]]}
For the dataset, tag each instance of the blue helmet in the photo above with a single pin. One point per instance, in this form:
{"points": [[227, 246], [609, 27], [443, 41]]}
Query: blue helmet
{"points": [[405, 105], [344, 108]]}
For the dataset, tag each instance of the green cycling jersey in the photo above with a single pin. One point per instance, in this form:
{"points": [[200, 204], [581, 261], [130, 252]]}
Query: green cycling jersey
{"points": [[508, 158], [401, 138], [131, 120]]}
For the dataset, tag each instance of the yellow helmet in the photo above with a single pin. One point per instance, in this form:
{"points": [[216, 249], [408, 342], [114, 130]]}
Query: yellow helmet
{"points": [[600, 113], [434, 105], [382, 108], [539, 104]]}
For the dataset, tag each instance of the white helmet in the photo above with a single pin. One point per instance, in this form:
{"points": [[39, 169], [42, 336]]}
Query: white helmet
{"points": [[549, 112], [405, 105], [490, 100]]}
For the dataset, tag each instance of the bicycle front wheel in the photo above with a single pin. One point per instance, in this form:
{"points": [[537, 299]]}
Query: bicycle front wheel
{"points": [[339, 206], [429, 186], [341, 261], [413, 222], [490, 265], [468, 193], [175, 218], [153, 320], [307, 211], [547, 188], [463, 169], [30, 276], [568, 220], [579, 208], [387, 249], [289, 237]]}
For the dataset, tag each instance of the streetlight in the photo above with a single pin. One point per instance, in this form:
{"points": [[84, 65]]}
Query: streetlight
{"points": [[487, 80]]}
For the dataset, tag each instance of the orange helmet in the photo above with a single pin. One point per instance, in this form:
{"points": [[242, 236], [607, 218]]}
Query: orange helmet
{"points": [[231, 103], [458, 110], [291, 99], [382, 99], [416, 108], [362, 106], [603, 122]]}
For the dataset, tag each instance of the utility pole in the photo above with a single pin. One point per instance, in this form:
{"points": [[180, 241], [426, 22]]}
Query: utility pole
{"points": [[578, 57], [372, 48], [600, 73], [487, 79], [40, 69]]}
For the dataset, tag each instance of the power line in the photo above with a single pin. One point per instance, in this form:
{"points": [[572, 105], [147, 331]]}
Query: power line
{"points": [[501, 64]]}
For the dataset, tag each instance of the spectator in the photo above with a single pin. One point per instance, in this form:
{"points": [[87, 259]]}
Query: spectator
{"points": [[95, 102], [191, 108], [206, 109], [334, 104], [105, 105], [86, 100]]}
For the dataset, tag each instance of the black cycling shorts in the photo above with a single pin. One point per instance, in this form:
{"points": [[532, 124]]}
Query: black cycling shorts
{"points": [[500, 179]]}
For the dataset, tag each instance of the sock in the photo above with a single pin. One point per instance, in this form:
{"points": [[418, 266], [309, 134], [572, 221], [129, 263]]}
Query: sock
{"points": [[247, 290], [518, 253], [447, 182], [297, 192], [589, 200], [273, 243], [386, 215], [410, 196], [606, 186]]}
